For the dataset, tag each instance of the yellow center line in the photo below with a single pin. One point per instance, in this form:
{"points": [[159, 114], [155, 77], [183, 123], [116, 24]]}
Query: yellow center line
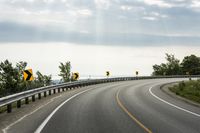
{"points": [[129, 114]]}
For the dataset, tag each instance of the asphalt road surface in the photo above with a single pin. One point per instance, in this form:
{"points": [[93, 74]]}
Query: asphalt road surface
{"points": [[121, 107]]}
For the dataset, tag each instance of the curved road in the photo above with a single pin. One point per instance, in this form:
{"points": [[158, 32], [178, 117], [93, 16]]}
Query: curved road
{"points": [[122, 107]]}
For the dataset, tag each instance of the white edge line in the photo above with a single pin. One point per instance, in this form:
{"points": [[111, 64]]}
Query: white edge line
{"points": [[40, 128], [8, 127], [190, 112]]}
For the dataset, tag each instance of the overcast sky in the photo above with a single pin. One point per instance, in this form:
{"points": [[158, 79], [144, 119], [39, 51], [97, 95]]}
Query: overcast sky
{"points": [[99, 25], [114, 22]]}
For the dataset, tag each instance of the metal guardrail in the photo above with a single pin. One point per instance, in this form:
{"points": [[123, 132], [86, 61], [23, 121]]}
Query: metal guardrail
{"points": [[26, 95]]}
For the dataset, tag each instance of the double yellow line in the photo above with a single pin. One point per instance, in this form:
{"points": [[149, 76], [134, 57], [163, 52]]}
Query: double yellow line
{"points": [[129, 114]]}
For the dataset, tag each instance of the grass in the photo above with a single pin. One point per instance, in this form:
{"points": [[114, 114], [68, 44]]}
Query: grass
{"points": [[188, 89]]}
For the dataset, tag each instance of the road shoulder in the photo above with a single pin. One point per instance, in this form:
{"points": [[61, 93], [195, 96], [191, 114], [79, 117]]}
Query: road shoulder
{"points": [[42, 107], [165, 89]]}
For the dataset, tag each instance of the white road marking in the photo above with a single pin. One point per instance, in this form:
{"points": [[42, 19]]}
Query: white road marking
{"points": [[175, 106], [9, 126], [40, 128]]}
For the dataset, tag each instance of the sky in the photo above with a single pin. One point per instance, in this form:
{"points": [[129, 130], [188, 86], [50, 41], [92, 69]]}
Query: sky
{"points": [[121, 36]]}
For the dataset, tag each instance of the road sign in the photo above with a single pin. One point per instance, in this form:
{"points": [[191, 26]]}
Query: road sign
{"points": [[28, 75], [75, 76], [107, 73], [136, 73]]}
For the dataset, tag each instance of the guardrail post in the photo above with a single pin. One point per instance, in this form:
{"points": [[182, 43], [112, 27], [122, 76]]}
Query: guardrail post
{"points": [[45, 94], [18, 103], [39, 95], [58, 90], [54, 91], [9, 108], [26, 100], [63, 89], [33, 98], [49, 92]]}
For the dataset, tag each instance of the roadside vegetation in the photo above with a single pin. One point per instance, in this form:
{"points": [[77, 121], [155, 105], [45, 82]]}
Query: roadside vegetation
{"points": [[12, 80], [190, 65], [188, 89], [65, 71]]}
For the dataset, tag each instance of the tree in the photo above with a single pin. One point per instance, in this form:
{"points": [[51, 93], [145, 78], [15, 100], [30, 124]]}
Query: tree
{"points": [[172, 67], [2, 89], [65, 71], [43, 80], [159, 69], [47, 79], [40, 77], [191, 64], [9, 78], [21, 66]]}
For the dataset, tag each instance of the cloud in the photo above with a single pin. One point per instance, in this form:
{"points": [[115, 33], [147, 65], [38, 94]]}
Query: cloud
{"points": [[150, 18], [126, 8], [195, 4], [48, 1], [84, 12], [99, 21], [156, 14], [159, 3], [102, 4], [12, 32]]}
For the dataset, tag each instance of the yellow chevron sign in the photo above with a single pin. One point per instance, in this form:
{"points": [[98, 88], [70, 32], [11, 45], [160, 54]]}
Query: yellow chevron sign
{"points": [[136, 72], [75, 76], [28, 75], [107, 73]]}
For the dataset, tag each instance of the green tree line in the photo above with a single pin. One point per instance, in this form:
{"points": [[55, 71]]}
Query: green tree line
{"points": [[12, 80], [190, 65]]}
